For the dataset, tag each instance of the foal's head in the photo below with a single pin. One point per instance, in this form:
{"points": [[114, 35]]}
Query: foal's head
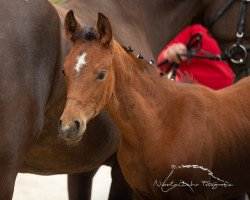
{"points": [[89, 75]]}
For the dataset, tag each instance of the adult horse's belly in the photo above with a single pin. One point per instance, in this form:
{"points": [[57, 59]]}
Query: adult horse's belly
{"points": [[50, 155]]}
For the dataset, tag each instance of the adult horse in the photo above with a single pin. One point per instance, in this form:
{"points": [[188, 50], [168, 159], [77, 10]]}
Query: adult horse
{"points": [[180, 123]]}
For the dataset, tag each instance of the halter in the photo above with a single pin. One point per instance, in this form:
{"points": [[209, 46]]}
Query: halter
{"points": [[237, 53]]}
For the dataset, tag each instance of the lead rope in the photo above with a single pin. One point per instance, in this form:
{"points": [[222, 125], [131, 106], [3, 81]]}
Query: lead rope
{"points": [[225, 7], [194, 44]]}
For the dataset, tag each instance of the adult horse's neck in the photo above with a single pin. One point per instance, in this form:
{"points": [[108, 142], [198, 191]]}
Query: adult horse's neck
{"points": [[140, 96], [146, 26]]}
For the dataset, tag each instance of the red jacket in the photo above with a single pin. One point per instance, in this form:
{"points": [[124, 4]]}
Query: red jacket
{"points": [[211, 73]]}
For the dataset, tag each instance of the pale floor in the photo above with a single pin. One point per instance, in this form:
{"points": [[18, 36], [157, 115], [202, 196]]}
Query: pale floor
{"points": [[33, 187]]}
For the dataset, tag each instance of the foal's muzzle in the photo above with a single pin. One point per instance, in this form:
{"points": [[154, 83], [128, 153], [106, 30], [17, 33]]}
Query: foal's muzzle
{"points": [[71, 131]]}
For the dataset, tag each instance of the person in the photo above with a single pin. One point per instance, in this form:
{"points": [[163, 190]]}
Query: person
{"points": [[215, 74]]}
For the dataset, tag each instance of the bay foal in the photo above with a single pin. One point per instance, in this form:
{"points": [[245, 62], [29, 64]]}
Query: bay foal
{"points": [[179, 141]]}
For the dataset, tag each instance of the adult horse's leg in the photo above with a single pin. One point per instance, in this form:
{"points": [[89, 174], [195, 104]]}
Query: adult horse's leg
{"points": [[16, 127], [28, 29], [7, 181], [119, 187], [80, 185], [20, 117]]}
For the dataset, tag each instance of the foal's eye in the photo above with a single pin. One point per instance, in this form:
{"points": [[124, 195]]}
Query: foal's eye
{"points": [[63, 72], [101, 75]]}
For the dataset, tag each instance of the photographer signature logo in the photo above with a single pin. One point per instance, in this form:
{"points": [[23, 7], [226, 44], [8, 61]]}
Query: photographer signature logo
{"points": [[168, 184]]}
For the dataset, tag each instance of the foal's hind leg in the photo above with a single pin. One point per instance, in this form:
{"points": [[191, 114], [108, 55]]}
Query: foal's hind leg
{"points": [[119, 187], [80, 185]]}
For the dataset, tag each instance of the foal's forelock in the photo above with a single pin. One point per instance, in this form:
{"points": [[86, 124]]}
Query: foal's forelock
{"points": [[85, 34]]}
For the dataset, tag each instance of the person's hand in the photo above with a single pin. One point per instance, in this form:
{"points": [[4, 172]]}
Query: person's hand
{"points": [[171, 52]]}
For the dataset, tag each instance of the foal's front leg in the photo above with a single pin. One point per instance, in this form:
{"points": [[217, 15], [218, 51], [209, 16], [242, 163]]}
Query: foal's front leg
{"points": [[119, 187]]}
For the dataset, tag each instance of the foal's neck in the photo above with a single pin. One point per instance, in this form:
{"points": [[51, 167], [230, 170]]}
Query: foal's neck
{"points": [[141, 96]]}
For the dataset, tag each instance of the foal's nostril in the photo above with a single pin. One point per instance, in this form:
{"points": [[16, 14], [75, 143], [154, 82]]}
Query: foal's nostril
{"points": [[77, 124]]}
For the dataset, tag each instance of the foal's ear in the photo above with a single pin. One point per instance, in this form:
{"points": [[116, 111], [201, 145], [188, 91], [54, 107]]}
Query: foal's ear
{"points": [[104, 29], [70, 24]]}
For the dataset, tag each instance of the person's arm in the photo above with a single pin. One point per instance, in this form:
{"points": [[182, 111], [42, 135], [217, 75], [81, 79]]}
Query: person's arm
{"points": [[176, 46]]}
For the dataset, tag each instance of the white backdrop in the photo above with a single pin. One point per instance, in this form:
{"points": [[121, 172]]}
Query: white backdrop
{"points": [[34, 187]]}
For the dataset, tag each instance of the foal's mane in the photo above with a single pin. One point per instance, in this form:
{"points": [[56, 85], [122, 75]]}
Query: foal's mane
{"points": [[141, 63]]}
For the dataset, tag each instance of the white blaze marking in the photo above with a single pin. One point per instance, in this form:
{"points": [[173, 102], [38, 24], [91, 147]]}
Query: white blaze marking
{"points": [[81, 61]]}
